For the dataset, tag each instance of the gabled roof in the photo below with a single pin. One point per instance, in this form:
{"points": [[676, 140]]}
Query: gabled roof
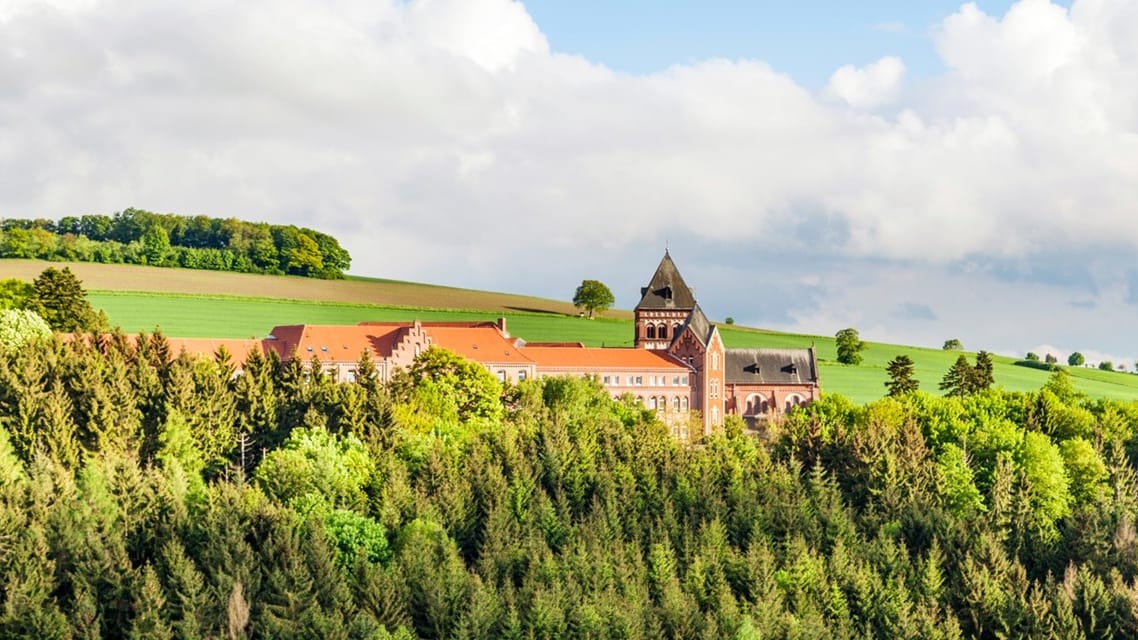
{"points": [[602, 359], [482, 342], [667, 289], [239, 349], [770, 366], [336, 343], [700, 326]]}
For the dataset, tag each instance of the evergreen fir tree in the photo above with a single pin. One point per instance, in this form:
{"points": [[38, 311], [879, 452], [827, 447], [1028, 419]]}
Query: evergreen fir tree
{"points": [[983, 377], [959, 381], [901, 380]]}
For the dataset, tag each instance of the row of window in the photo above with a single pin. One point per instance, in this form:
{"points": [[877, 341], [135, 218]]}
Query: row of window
{"points": [[653, 381], [502, 375], [660, 403], [757, 404], [660, 331]]}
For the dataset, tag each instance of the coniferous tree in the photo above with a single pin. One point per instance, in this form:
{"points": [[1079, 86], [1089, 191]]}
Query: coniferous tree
{"points": [[960, 379], [62, 301], [983, 377], [901, 380]]}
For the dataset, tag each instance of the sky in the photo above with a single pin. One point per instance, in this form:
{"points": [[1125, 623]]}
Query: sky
{"points": [[918, 171]]}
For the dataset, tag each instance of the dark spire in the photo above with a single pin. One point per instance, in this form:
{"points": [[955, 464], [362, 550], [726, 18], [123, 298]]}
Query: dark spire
{"points": [[667, 289]]}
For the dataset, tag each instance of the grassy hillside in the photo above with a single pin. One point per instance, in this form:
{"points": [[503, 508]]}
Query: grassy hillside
{"points": [[210, 304]]}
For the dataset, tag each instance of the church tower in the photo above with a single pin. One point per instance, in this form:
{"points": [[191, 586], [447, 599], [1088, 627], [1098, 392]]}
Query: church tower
{"points": [[665, 305]]}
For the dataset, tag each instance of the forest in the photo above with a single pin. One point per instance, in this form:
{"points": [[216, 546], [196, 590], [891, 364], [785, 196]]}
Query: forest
{"points": [[145, 494], [134, 236]]}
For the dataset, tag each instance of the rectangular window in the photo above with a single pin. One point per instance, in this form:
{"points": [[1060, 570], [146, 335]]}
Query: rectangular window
{"points": [[616, 379], [639, 380], [675, 381], [521, 375], [607, 380], [684, 380], [501, 376]]}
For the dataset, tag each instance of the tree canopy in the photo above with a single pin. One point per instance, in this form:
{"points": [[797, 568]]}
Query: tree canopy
{"points": [[849, 346], [1076, 359], [61, 300], [953, 344], [135, 236], [593, 296], [148, 495]]}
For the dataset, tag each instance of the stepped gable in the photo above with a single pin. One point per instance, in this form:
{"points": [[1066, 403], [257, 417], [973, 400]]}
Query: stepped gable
{"points": [[667, 289], [771, 366]]}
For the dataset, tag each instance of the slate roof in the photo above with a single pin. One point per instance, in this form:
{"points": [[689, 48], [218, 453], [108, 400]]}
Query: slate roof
{"points": [[700, 326], [667, 289], [771, 366]]}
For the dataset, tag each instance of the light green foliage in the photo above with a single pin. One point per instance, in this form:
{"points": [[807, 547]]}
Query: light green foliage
{"points": [[315, 461], [593, 296], [1086, 469], [356, 535], [16, 294], [1042, 467], [445, 384], [18, 327], [957, 485], [11, 470]]}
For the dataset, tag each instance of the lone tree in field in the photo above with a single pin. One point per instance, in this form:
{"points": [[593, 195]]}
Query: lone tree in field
{"points": [[1076, 359], [901, 380], [61, 300], [593, 296], [849, 346], [953, 344]]}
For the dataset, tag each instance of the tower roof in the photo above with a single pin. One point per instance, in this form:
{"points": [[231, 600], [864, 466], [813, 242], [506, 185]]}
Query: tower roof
{"points": [[667, 289]]}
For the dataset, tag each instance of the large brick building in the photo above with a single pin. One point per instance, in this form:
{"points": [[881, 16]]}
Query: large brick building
{"points": [[678, 365]]}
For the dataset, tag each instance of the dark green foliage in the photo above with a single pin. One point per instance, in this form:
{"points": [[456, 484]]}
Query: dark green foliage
{"points": [[1076, 359], [901, 380], [134, 236], [849, 346], [1106, 365], [1032, 356], [61, 300], [129, 507], [953, 344], [964, 379]]}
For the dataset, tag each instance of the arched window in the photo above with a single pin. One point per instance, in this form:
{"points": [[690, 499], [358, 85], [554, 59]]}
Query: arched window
{"points": [[652, 331], [663, 404], [683, 403], [662, 331], [715, 415], [756, 404], [676, 403], [793, 400], [651, 402]]}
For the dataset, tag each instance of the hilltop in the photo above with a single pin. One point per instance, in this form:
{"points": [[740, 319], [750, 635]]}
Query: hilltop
{"points": [[216, 304]]}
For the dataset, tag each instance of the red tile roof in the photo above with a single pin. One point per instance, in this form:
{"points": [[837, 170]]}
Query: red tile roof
{"points": [[334, 343], [481, 342]]}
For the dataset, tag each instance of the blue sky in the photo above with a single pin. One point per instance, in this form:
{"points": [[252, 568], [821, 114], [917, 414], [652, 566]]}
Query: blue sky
{"points": [[920, 171], [807, 39]]}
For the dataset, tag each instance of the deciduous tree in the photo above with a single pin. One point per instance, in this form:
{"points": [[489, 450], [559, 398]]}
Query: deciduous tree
{"points": [[593, 296], [1076, 359], [18, 327], [849, 346], [953, 344]]}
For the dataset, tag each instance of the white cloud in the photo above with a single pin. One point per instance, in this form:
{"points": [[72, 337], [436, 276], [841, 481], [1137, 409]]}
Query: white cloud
{"points": [[871, 86], [443, 140]]}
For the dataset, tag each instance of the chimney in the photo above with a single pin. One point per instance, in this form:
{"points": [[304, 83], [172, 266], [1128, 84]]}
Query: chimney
{"points": [[502, 327]]}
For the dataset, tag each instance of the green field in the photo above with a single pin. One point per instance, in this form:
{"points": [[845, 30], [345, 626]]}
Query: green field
{"points": [[187, 315]]}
